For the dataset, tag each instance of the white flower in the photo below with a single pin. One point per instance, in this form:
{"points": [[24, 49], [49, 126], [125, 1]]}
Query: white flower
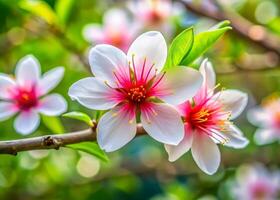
{"points": [[117, 30], [207, 122], [267, 117], [133, 84], [26, 95], [256, 182]]}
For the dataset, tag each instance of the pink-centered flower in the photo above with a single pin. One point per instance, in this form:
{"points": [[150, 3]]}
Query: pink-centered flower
{"points": [[117, 30], [133, 85], [267, 117], [26, 95], [207, 122], [256, 183]]}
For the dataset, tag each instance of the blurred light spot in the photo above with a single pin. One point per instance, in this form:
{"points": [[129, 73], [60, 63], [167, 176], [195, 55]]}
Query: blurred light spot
{"points": [[38, 154], [257, 32], [271, 59], [16, 35], [28, 162], [265, 12], [88, 166], [150, 156]]}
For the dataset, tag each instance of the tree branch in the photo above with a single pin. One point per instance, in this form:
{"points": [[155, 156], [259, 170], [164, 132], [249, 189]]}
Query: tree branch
{"points": [[52, 141], [241, 26]]}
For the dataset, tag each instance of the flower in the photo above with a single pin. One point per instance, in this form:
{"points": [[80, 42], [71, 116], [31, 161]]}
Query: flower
{"points": [[155, 14], [133, 85], [26, 95], [117, 30], [207, 122], [267, 117], [256, 182]]}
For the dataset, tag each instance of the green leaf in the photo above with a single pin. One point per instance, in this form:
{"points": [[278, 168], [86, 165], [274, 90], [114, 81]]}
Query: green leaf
{"points": [[179, 48], [39, 8], [63, 10], [203, 41], [53, 123], [91, 148], [80, 116]]}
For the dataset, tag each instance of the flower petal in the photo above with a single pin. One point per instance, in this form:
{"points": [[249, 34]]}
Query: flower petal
{"points": [[50, 80], [205, 153], [6, 86], [7, 110], [176, 151], [163, 123], [208, 73], [105, 60], [150, 46], [260, 117], [93, 33], [179, 85], [235, 138], [234, 101], [52, 105], [115, 129], [265, 136], [27, 122], [28, 71], [93, 93]]}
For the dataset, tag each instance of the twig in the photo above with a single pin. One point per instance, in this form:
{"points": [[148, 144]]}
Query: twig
{"points": [[240, 25], [52, 141]]}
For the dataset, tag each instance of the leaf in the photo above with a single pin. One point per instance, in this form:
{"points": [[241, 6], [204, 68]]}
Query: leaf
{"points": [[179, 48], [80, 116], [39, 8], [203, 41], [53, 123], [63, 10], [91, 148]]}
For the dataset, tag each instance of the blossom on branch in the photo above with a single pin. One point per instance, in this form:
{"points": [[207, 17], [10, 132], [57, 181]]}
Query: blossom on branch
{"points": [[256, 182], [267, 117], [207, 119], [117, 30], [26, 94], [134, 85]]}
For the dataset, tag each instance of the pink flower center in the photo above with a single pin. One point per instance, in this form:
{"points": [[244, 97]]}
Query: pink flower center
{"points": [[139, 84], [137, 94], [26, 99], [206, 115]]}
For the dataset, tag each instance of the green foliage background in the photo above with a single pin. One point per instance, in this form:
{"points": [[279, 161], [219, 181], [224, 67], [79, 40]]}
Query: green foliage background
{"points": [[51, 30]]}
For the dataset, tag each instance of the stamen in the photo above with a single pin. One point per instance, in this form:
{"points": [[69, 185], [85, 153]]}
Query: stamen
{"points": [[134, 68], [143, 68], [147, 76], [158, 80]]}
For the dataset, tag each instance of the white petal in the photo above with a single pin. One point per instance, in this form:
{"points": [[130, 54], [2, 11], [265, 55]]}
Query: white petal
{"points": [[6, 86], [52, 105], [7, 110], [115, 129], [260, 117], [151, 46], [105, 60], [28, 71], [50, 80], [205, 153], [176, 151], [208, 73], [235, 101], [180, 84], [265, 136], [235, 138], [93, 93], [27, 122], [163, 123], [93, 33]]}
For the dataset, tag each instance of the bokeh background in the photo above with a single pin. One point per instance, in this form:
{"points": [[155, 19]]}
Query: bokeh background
{"points": [[245, 58]]}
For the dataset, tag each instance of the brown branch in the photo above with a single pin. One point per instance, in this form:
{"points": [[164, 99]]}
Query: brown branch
{"points": [[241, 26], [52, 141]]}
